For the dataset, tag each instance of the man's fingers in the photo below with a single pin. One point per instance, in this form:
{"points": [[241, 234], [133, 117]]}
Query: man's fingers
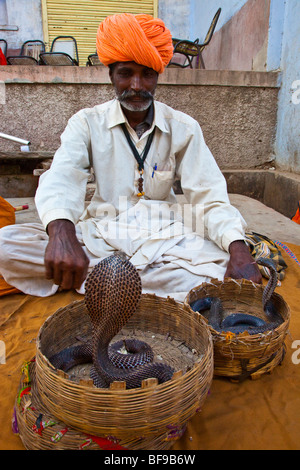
{"points": [[79, 277], [49, 271], [67, 280], [57, 275]]}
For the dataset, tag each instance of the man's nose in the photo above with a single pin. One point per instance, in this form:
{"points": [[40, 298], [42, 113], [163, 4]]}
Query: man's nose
{"points": [[136, 82]]}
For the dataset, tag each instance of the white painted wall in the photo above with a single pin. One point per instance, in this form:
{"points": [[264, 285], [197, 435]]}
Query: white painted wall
{"points": [[26, 15]]}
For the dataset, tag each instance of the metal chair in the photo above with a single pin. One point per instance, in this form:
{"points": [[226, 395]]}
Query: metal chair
{"points": [[190, 49], [29, 54], [93, 60], [3, 45], [33, 48], [63, 51], [184, 53], [21, 60]]}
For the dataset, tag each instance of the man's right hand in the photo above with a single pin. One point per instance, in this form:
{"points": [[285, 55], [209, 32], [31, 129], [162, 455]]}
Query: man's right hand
{"points": [[65, 260]]}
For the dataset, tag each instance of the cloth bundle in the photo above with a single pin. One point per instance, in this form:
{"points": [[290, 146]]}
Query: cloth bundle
{"points": [[262, 246]]}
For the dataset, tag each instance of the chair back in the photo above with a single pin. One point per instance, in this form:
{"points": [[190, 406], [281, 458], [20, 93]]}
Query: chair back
{"points": [[93, 59], [211, 30], [184, 53], [32, 48], [66, 44]]}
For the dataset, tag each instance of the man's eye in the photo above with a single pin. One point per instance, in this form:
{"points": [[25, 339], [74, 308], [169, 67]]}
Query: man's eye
{"points": [[124, 73], [149, 73]]}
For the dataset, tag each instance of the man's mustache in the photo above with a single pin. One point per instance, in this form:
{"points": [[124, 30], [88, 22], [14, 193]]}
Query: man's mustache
{"points": [[127, 94]]}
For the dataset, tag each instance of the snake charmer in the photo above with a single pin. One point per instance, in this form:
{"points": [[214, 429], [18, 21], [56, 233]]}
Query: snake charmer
{"points": [[136, 147]]}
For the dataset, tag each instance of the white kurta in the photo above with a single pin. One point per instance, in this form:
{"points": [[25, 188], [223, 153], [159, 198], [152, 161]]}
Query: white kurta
{"points": [[173, 247]]}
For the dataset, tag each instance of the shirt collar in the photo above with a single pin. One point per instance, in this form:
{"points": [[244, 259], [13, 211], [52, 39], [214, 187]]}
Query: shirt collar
{"points": [[117, 117]]}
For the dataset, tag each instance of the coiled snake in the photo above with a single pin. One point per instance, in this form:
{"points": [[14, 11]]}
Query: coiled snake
{"points": [[241, 322], [112, 293]]}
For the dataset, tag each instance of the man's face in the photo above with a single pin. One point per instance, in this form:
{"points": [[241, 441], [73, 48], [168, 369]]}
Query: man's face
{"points": [[134, 85]]}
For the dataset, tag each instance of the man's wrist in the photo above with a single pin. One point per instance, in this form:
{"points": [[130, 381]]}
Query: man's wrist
{"points": [[58, 225], [238, 245]]}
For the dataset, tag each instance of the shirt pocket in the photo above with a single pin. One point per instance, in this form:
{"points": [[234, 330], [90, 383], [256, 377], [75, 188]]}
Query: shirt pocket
{"points": [[158, 183]]}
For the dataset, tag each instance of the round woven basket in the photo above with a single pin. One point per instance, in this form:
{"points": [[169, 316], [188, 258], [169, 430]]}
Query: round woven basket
{"points": [[149, 417], [40, 430], [241, 356]]}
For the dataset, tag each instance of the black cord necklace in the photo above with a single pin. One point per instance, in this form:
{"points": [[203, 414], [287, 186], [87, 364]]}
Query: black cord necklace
{"points": [[139, 158]]}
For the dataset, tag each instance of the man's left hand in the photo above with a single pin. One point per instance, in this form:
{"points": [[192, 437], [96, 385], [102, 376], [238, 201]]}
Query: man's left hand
{"points": [[241, 264]]}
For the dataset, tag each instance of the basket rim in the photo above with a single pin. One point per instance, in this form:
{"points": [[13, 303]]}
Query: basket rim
{"points": [[85, 385], [147, 412], [282, 328]]}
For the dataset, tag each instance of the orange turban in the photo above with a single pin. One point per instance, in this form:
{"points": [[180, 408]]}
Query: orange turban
{"points": [[138, 38]]}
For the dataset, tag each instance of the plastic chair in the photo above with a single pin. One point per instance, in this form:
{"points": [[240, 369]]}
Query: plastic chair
{"points": [[3, 45], [93, 60], [190, 49]]}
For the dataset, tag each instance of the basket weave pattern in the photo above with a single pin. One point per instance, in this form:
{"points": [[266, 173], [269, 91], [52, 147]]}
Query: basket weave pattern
{"points": [[237, 355], [147, 417]]}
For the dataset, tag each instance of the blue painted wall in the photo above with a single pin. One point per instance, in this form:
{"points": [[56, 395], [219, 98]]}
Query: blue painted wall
{"points": [[287, 148], [202, 13]]}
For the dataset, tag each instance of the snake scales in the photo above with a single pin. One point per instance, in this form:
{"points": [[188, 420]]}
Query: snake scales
{"points": [[113, 290], [240, 322]]}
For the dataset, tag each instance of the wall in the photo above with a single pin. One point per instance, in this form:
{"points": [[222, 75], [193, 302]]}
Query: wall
{"points": [[27, 16], [256, 35], [236, 110], [176, 14], [241, 43], [202, 13], [287, 145], [190, 19]]}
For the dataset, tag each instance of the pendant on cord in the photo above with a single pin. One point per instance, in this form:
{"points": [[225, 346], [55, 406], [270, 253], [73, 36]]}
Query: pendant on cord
{"points": [[141, 184]]}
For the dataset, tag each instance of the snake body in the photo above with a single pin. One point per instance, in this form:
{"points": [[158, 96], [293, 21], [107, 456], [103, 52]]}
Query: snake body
{"points": [[241, 322], [112, 293]]}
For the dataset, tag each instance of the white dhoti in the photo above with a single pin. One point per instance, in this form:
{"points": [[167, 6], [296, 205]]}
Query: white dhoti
{"points": [[170, 257]]}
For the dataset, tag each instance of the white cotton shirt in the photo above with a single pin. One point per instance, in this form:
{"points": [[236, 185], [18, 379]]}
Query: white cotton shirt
{"points": [[94, 139]]}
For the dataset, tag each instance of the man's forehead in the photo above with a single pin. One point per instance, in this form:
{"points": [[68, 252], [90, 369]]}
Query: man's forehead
{"points": [[131, 65]]}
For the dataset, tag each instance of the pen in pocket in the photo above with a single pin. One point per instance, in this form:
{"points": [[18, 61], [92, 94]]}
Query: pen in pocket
{"points": [[154, 169]]}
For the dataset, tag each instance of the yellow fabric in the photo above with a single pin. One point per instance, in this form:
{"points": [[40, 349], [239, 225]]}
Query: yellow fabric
{"points": [[6, 289], [7, 213], [260, 414], [296, 217], [138, 38], [7, 217]]}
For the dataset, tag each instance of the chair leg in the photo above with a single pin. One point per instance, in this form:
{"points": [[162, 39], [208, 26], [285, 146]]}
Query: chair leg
{"points": [[201, 60]]}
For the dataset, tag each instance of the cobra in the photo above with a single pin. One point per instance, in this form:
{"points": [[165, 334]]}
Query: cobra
{"points": [[240, 322], [112, 292]]}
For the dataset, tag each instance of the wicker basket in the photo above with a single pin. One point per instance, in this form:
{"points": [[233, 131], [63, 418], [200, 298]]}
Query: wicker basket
{"points": [[39, 430], [150, 417], [241, 356]]}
